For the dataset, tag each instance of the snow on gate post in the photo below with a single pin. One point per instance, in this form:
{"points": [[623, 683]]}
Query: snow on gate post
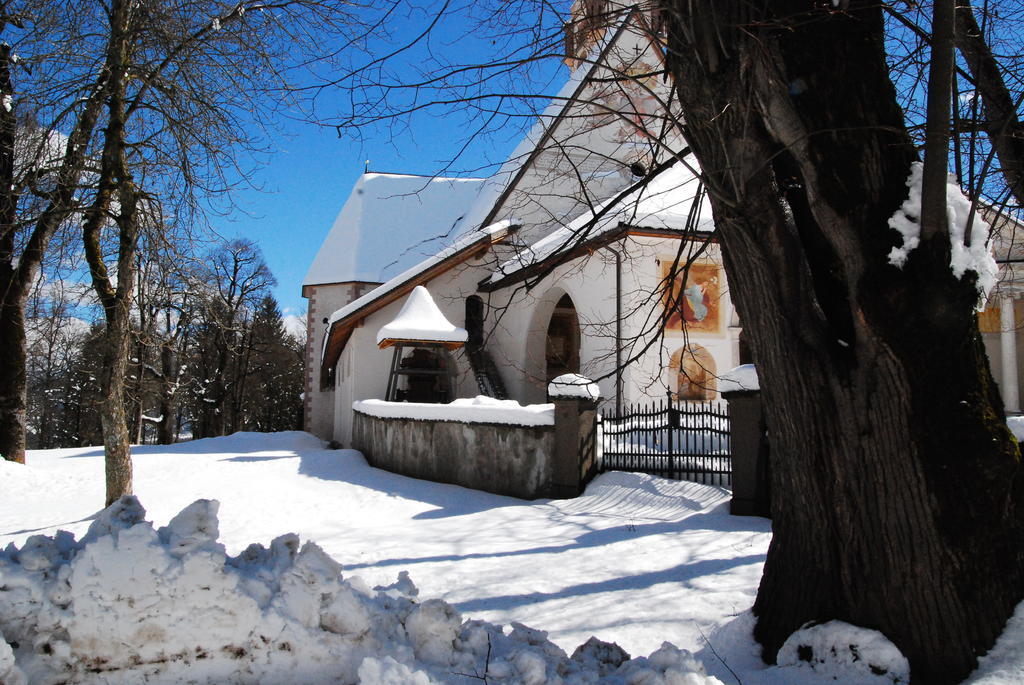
{"points": [[575, 398], [750, 489]]}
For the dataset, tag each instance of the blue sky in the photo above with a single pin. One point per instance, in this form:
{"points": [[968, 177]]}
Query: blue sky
{"points": [[308, 179]]}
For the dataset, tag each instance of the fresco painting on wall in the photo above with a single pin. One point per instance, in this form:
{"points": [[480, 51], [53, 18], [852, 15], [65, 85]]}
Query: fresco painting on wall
{"points": [[695, 304], [692, 373]]}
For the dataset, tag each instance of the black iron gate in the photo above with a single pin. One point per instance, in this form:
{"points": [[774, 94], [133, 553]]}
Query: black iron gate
{"points": [[670, 438]]}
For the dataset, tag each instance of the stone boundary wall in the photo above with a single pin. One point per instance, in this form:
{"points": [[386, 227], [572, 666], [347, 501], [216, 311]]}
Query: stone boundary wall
{"points": [[499, 458]]}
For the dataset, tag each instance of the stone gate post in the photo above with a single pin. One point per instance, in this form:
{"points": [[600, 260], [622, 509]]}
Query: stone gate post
{"points": [[751, 495], [575, 398]]}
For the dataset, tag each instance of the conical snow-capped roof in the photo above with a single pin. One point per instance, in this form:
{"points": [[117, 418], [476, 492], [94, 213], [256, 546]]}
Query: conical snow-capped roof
{"points": [[421, 321]]}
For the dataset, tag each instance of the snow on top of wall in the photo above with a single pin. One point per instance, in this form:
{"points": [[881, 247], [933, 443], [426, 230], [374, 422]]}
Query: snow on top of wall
{"points": [[574, 385], [663, 203], [977, 258], [389, 223], [742, 378], [480, 409], [420, 319], [135, 604], [1016, 426]]}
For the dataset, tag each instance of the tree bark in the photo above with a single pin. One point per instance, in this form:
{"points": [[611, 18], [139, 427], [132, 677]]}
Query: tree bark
{"points": [[114, 419], [13, 381], [937, 123], [898, 486], [167, 427], [18, 271]]}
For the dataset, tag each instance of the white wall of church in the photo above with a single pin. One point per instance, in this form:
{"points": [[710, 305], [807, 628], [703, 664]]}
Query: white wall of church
{"points": [[520, 334], [363, 368], [519, 337], [713, 342], [1003, 335], [586, 156], [517, 323], [323, 300]]}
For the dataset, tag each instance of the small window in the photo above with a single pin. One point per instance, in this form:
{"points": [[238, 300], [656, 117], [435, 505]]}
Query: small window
{"points": [[327, 379]]}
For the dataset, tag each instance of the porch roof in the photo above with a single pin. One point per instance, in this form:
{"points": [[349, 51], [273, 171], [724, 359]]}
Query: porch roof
{"points": [[421, 321]]}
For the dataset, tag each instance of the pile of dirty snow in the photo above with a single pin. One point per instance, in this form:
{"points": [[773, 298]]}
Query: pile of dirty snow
{"points": [[129, 603]]}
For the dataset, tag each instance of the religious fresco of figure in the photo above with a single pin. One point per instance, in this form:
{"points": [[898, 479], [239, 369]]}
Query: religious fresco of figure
{"points": [[694, 306], [630, 106], [639, 104], [692, 374]]}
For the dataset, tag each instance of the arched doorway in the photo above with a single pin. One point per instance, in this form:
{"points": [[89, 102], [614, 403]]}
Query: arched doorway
{"points": [[692, 373], [562, 347]]}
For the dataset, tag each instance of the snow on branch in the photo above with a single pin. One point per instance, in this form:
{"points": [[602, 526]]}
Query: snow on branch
{"points": [[976, 257]]}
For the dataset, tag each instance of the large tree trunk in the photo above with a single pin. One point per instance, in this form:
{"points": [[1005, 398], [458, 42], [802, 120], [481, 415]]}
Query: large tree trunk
{"points": [[13, 383], [113, 417], [897, 486], [18, 271], [167, 427]]}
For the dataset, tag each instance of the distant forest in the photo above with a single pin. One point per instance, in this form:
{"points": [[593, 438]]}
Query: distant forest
{"points": [[210, 355]]}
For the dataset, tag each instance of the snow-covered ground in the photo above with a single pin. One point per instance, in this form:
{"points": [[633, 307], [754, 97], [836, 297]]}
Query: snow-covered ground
{"points": [[636, 560]]}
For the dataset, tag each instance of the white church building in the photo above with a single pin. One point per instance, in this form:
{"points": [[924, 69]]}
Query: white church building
{"points": [[570, 259], [590, 251]]}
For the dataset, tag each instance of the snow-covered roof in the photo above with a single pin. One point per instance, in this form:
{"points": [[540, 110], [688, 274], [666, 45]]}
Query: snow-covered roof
{"points": [[421, 320], [388, 292], [417, 214], [494, 232], [664, 204]]}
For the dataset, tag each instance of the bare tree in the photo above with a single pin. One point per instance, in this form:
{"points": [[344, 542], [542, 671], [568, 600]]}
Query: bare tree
{"points": [[1001, 121], [166, 106], [866, 366], [168, 303], [55, 337], [38, 196], [236, 280]]}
